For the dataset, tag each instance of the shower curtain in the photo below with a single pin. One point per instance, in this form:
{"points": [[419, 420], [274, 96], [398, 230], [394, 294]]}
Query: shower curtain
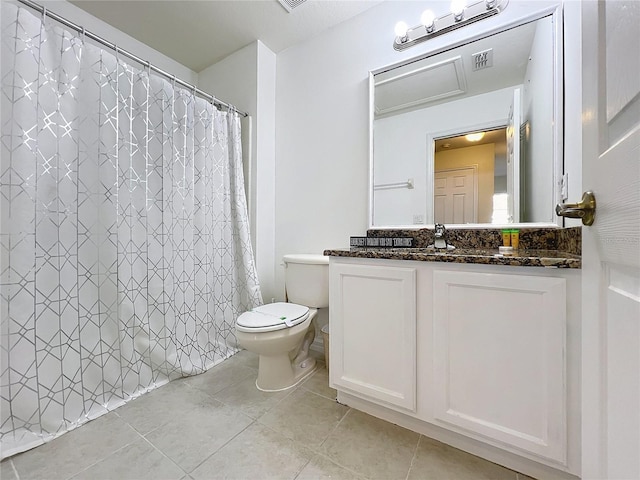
{"points": [[125, 249]]}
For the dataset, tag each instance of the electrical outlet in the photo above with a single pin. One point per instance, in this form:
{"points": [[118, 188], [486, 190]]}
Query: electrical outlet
{"points": [[418, 219]]}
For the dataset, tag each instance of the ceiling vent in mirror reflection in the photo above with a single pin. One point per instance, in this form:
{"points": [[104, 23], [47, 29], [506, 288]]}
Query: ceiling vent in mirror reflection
{"points": [[482, 60], [289, 5]]}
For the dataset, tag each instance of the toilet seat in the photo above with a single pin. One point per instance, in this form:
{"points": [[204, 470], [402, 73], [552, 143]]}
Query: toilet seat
{"points": [[272, 317]]}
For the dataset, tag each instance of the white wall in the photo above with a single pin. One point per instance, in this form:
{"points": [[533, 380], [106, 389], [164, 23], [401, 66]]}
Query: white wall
{"points": [[235, 81], [113, 35], [538, 85], [246, 79], [322, 144], [401, 150]]}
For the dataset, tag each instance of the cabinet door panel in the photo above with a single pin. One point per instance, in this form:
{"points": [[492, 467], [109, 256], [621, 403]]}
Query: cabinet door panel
{"points": [[373, 332], [499, 358]]}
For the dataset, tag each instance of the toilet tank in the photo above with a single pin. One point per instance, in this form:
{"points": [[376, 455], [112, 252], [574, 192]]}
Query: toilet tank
{"points": [[306, 279]]}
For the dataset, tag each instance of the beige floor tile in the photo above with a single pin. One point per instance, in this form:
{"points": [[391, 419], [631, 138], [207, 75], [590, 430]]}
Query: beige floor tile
{"points": [[6, 470], [319, 383], [247, 358], [522, 476], [321, 468], [229, 372], [257, 453], [371, 447], [305, 417], [439, 461], [246, 396], [161, 405], [189, 439], [74, 451], [138, 461]]}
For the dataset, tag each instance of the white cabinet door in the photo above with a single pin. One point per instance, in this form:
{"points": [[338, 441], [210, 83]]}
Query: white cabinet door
{"points": [[373, 333], [499, 358]]}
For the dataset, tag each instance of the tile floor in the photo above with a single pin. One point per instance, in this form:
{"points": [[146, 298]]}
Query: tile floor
{"points": [[218, 425]]}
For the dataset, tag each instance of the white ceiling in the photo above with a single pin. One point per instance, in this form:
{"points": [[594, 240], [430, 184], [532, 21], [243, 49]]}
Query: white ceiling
{"points": [[200, 33]]}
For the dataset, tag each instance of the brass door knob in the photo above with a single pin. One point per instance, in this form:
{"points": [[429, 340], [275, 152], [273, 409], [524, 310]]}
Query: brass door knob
{"points": [[584, 209]]}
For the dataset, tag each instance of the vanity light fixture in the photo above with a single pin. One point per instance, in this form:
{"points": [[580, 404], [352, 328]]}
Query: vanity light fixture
{"points": [[432, 26]]}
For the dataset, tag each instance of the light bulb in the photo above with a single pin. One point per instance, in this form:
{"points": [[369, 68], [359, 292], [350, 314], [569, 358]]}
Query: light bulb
{"points": [[427, 19], [474, 137], [457, 8], [401, 29]]}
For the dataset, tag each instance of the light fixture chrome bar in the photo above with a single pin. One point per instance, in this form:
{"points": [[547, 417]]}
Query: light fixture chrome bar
{"points": [[131, 56], [447, 23]]}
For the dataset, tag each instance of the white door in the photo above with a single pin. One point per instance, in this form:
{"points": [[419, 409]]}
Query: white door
{"points": [[454, 196], [611, 247], [513, 158]]}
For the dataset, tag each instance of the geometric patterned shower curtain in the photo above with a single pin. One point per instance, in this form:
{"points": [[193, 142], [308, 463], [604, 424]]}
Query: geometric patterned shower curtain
{"points": [[126, 255]]}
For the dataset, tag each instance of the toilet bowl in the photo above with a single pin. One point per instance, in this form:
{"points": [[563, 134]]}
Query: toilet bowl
{"points": [[281, 333]]}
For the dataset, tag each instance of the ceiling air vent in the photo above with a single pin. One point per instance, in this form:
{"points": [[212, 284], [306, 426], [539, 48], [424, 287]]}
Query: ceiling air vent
{"points": [[289, 5], [482, 59]]}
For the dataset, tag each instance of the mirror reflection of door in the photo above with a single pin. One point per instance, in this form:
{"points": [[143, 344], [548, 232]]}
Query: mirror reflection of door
{"points": [[454, 195], [470, 178]]}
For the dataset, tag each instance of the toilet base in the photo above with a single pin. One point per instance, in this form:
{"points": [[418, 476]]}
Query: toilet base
{"points": [[281, 373]]}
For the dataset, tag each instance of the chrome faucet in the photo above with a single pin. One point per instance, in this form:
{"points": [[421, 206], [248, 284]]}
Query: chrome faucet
{"points": [[440, 238]]}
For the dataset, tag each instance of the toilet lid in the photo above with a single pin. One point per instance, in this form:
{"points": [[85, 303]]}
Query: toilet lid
{"points": [[272, 316]]}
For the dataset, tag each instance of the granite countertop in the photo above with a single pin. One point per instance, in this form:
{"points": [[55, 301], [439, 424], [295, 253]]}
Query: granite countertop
{"points": [[488, 256]]}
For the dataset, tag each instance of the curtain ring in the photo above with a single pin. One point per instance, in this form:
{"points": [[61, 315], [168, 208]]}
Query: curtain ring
{"points": [[44, 14]]}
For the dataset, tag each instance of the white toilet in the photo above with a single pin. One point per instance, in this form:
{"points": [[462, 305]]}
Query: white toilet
{"points": [[281, 333]]}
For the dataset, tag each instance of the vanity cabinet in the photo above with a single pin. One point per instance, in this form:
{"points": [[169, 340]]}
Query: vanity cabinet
{"points": [[477, 351], [373, 333]]}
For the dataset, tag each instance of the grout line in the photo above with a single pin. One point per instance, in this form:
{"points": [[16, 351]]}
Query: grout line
{"points": [[336, 427], [222, 446], [348, 469], [304, 447], [413, 458], [107, 456], [166, 456], [302, 468], [15, 470], [317, 453], [334, 400]]}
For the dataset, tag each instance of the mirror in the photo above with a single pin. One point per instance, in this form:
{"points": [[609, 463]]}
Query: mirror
{"points": [[470, 135]]}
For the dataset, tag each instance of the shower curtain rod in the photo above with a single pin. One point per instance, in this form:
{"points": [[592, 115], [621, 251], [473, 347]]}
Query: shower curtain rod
{"points": [[118, 50]]}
